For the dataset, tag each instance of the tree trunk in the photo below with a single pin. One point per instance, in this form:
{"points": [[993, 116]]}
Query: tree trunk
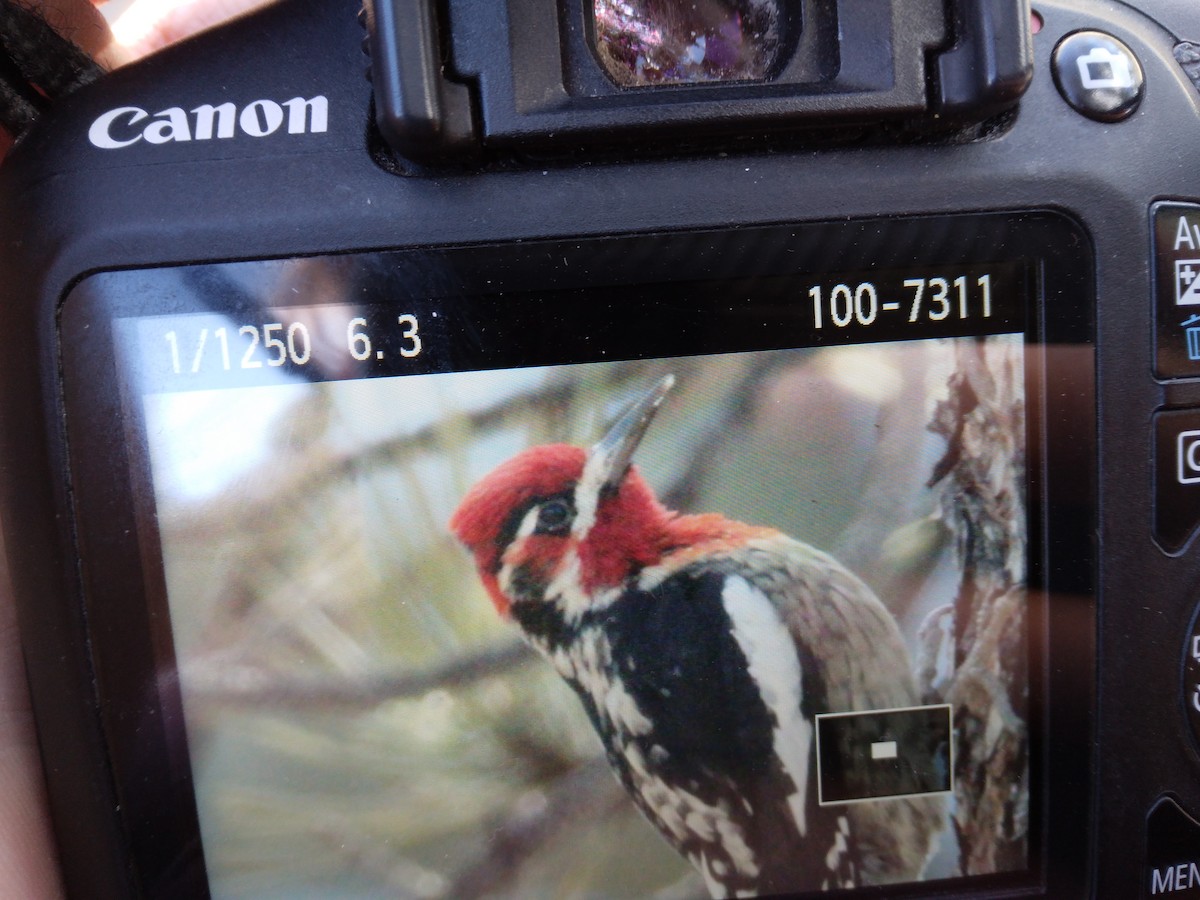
{"points": [[981, 478]]}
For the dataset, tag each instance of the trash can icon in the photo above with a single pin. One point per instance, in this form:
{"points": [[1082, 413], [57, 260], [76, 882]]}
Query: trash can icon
{"points": [[1101, 68], [1191, 334]]}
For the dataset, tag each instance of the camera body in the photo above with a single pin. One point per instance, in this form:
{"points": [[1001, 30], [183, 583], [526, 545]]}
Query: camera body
{"points": [[264, 145]]}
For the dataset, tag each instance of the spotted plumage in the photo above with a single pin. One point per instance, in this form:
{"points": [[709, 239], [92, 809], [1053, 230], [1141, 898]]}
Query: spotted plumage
{"points": [[701, 649]]}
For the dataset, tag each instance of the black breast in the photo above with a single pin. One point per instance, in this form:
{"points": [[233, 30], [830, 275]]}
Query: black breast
{"points": [[712, 734], [673, 647]]}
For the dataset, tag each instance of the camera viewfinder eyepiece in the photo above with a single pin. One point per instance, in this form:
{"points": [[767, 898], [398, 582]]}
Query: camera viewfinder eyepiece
{"points": [[452, 80]]}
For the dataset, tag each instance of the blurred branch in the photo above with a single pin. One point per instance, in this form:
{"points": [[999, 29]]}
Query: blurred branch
{"points": [[536, 817], [589, 791], [261, 498], [890, 484], [218, 682], [689, 887], [733, 416], [409, 880]]}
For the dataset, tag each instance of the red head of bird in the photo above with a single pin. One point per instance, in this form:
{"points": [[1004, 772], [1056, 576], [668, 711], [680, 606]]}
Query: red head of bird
{"points": [[558, 523]]}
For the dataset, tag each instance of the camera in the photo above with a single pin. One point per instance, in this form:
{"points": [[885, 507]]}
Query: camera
{"points": [[616, 448]]}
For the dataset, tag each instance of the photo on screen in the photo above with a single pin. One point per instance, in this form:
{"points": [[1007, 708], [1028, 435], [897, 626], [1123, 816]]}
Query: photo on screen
{"points": [[364, 721]]}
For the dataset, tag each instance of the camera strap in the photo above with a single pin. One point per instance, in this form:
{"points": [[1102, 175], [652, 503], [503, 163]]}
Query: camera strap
{"points": [[37, 65]]}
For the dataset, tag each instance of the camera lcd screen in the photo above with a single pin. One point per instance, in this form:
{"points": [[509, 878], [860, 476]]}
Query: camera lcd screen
{"points": [[346, 685]]}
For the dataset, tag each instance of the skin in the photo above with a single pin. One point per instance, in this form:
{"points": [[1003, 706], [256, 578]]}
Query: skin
{"points": [[28, 864], [28, 857], [174, 24]]}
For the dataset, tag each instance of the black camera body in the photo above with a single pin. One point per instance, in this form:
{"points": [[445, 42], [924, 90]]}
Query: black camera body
{"points": [[248, 213]]}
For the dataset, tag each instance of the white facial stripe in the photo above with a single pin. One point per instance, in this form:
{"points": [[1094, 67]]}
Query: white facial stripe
{"points": [[566, 587], [775, 667], [526, 528], [565, 581], [504, 578], [566, 590], [587, 493], [528, 523]]}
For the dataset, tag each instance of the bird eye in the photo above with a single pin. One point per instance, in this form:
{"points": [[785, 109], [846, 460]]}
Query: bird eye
{"points": [[554, 517]]}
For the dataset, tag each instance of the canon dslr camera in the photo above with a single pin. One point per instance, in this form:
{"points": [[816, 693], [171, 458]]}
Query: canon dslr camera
{"points": [[616, 448]]}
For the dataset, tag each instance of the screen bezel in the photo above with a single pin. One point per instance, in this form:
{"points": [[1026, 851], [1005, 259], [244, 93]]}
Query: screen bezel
{"points": [[123, 587]]}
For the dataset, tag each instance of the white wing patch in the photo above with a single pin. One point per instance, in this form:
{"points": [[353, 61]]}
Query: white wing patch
{"points": [[587, 493], [775, 667]]}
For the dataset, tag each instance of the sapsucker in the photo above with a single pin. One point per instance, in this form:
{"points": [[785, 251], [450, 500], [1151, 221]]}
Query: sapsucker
{"points": [[701, 648]]}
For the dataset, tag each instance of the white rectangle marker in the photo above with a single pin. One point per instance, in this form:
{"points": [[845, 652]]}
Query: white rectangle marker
{"points": [[883, 750]]}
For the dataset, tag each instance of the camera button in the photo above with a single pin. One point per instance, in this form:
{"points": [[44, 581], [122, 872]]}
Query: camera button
{"points": [[1172, 861], [1191, 680], [1098, 75], [1176, 478], [1175, 229]]}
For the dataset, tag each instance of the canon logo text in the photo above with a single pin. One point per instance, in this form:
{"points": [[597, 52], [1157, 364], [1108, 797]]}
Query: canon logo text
{"points": [[129, 125]]}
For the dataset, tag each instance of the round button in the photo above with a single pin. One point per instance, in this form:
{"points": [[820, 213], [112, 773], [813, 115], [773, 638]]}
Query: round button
{"points": [[1191, 677], [1098, 75]]}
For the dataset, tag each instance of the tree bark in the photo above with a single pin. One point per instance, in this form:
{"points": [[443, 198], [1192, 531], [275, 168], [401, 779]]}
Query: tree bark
{"points": [[981, 479]]}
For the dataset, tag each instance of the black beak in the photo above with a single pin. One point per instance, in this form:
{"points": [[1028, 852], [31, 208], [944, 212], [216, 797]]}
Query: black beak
{"points": [[610, 457]]}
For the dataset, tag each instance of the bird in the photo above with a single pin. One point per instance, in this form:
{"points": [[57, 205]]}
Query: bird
{"points": [[702, 649]]}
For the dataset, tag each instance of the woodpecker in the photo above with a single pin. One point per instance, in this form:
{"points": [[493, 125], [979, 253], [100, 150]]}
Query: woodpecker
{"points": [[701, 648]]}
